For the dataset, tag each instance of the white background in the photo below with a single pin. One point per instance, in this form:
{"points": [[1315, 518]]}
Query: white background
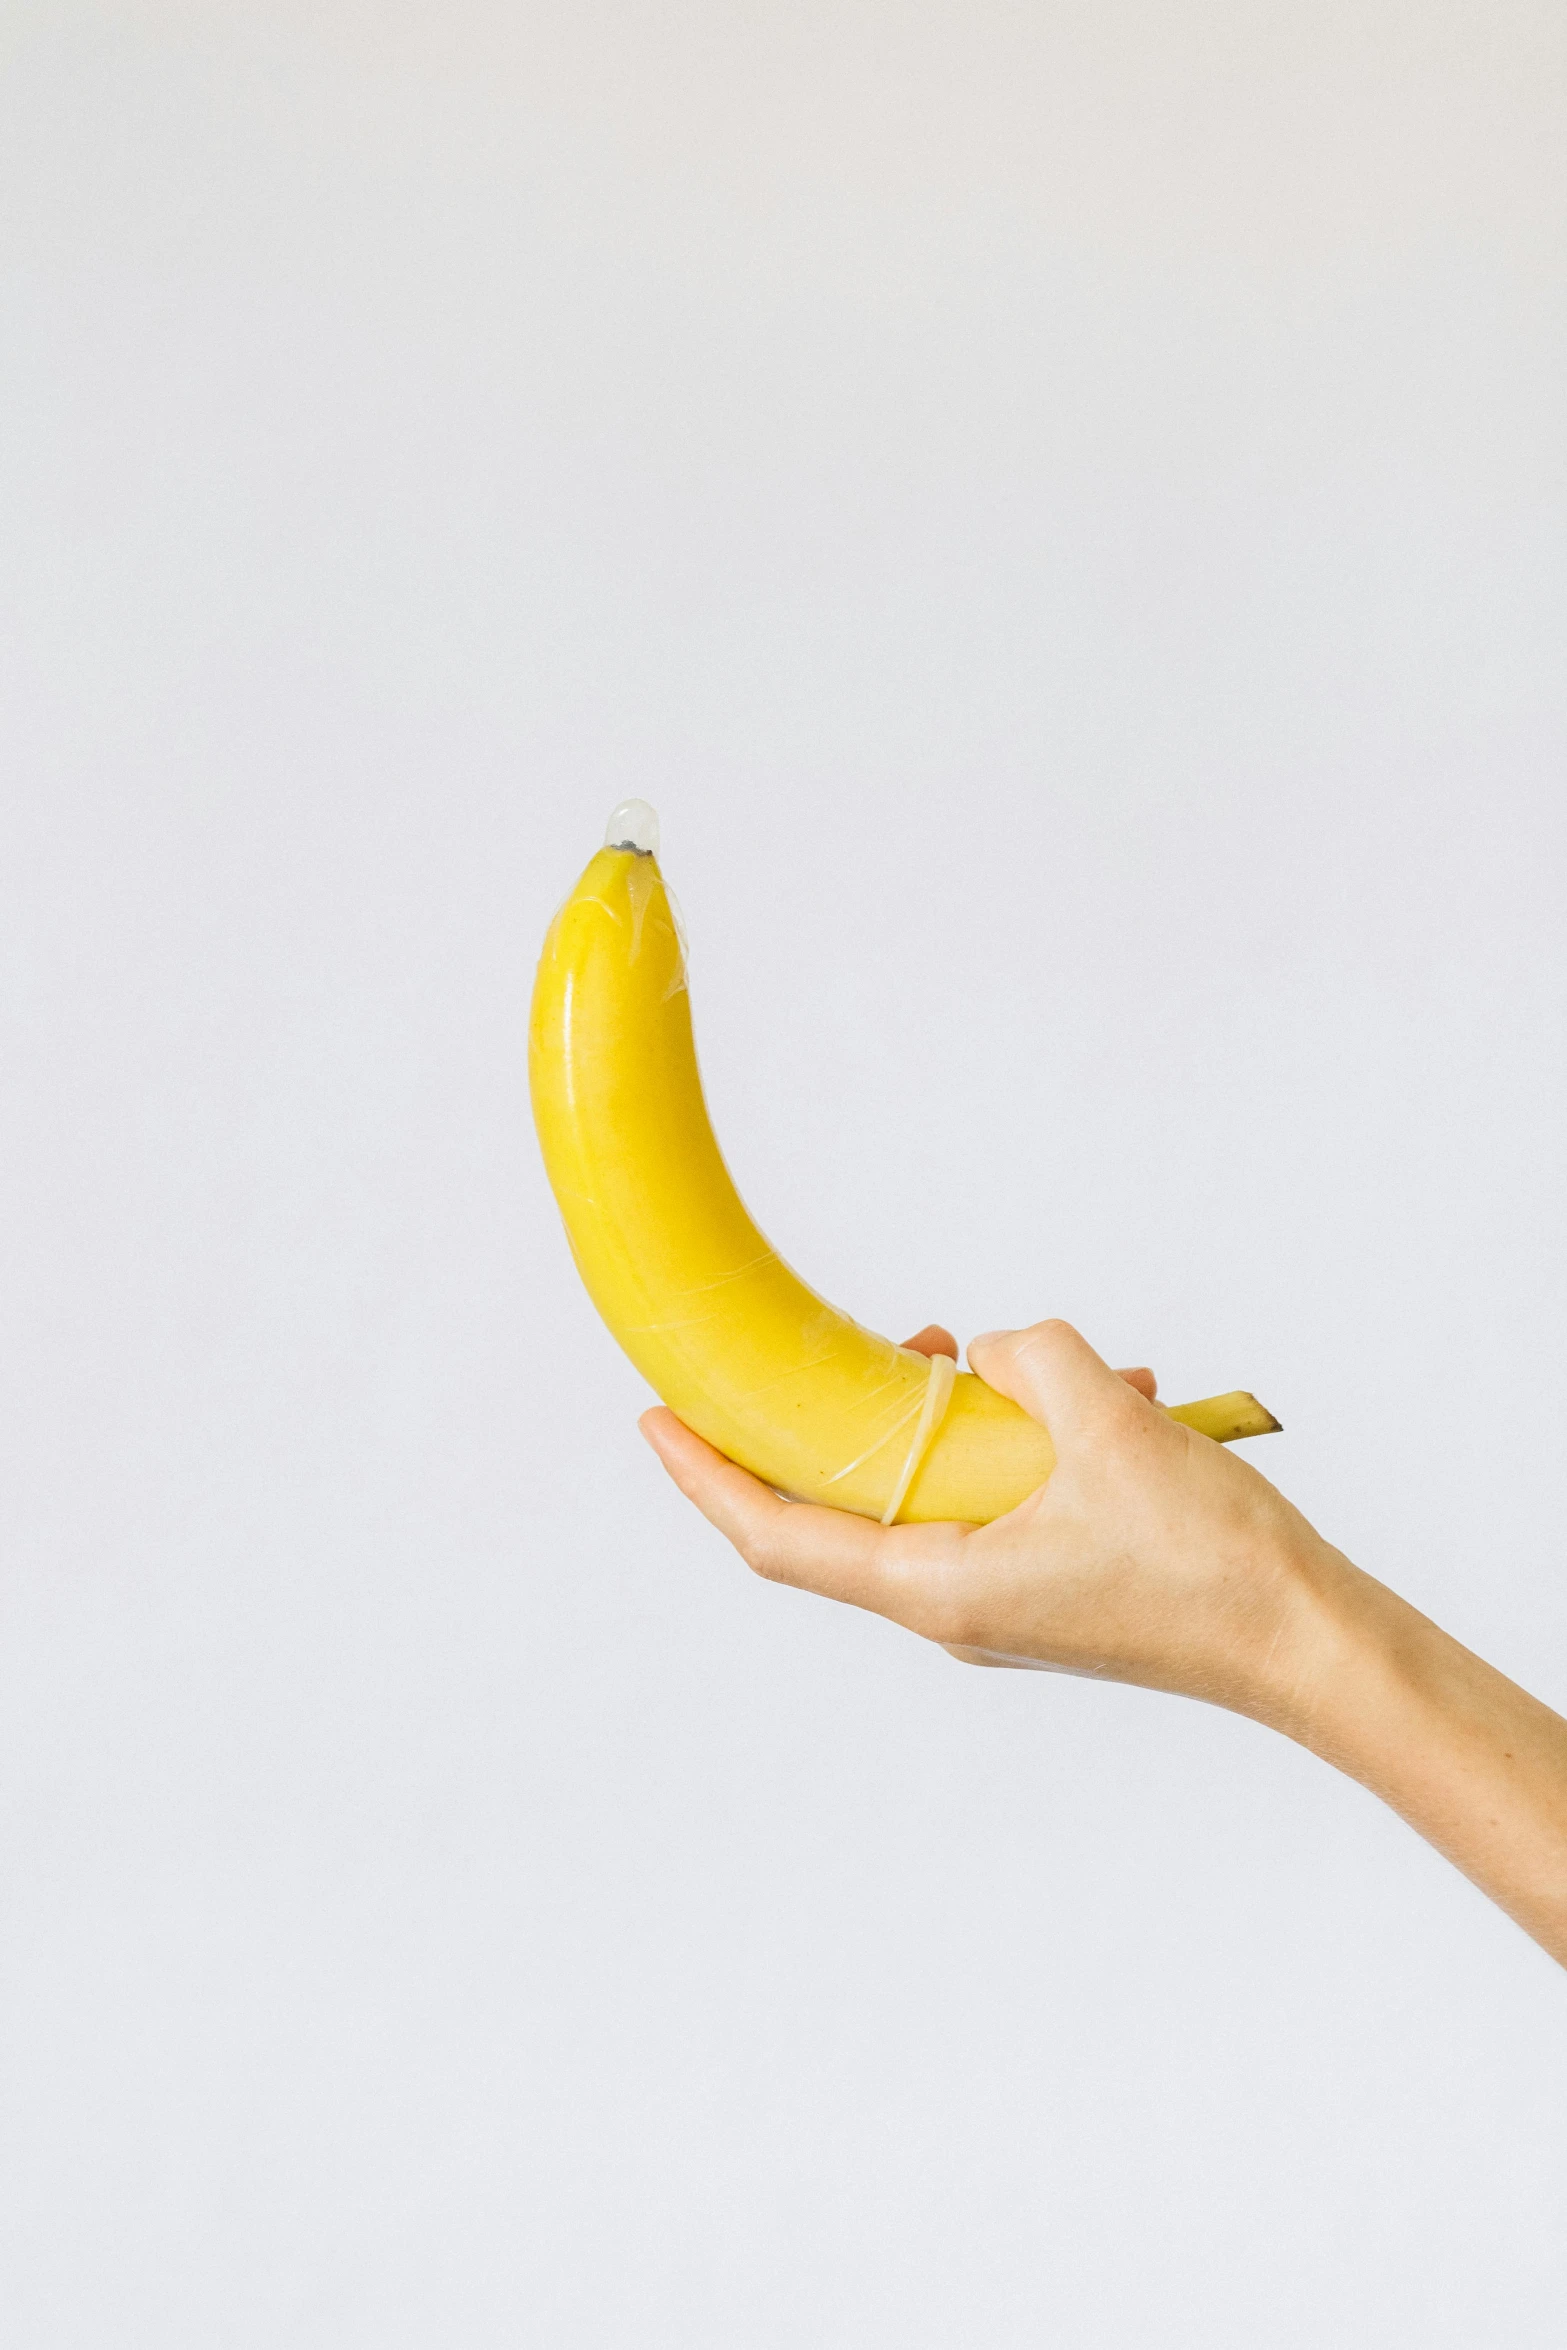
{"points": [[1063, 509]]}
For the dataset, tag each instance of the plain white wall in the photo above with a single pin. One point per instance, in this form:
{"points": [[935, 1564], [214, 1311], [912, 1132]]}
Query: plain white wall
{"points": [[1063, 509]]}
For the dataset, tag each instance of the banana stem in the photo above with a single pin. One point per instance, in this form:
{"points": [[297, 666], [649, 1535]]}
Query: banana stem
{"points": [[1226, 1417]]}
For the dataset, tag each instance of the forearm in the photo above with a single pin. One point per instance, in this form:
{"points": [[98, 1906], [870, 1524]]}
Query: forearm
{"points": [[1152, 1555], [1470, 1760]]}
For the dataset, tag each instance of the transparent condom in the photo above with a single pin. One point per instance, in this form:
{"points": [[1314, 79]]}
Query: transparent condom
{"points": [[938, 1394], [633, 825]]}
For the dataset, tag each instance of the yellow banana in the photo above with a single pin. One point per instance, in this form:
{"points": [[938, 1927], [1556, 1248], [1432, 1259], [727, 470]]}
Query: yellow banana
{"points": [[732, 1340]]}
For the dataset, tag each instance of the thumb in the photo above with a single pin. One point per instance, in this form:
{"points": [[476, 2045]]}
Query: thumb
{"points": [[1053, 1372]]}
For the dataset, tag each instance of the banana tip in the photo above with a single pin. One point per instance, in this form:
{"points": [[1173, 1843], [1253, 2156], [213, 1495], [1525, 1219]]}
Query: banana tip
{"points": [[633, 825]]}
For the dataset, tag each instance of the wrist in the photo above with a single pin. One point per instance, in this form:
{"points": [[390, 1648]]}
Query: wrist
{"points": [[1359, 1676], [1337, 1630], [1474, 1763]]}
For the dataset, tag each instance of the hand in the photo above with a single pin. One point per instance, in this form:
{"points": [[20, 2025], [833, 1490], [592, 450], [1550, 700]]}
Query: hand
{"points": [[1151, 1554]]}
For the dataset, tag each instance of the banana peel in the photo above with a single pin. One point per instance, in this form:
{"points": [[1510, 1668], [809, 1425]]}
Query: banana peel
{"points": [[736, 1344]]}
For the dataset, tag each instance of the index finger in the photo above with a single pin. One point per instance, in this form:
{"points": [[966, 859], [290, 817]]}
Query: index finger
{"points": [[834, 1553]]}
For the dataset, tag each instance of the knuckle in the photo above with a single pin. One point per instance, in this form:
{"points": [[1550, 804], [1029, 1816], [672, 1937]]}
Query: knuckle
{"points": [[1054, 1335], [949, 1618], [1040, 1339], [758, 1555], [763, 1552]]}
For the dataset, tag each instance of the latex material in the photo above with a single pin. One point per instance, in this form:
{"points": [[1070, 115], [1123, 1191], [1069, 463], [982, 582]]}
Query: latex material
{"points": [[733, 1341], [633, 825], [938, 1394]]}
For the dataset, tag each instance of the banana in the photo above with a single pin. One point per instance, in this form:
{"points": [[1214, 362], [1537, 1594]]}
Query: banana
{"points": [[732, 1340]]}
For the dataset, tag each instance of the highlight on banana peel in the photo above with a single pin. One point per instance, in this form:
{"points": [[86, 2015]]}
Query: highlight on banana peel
{"points": [[732, 1340]]}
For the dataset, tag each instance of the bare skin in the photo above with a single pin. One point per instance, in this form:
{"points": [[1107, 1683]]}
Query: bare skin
{"points": [[1155, 1556]]}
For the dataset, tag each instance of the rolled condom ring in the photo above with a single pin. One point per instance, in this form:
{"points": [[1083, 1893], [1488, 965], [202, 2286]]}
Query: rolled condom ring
{"points": [[742, 1349], [938, 1394]]}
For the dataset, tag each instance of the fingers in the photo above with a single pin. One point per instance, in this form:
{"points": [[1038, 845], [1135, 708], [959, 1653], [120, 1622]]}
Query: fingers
{"points": [[831, 1552], [1053, 1373], [936, 1339], [933, 1340], [738, 1504]]}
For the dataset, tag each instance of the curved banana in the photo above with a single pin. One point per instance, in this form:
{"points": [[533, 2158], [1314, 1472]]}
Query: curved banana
{"points": [[732, 1340]]}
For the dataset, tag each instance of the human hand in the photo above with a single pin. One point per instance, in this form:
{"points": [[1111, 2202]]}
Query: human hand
{"points": [[1151, 1554]]}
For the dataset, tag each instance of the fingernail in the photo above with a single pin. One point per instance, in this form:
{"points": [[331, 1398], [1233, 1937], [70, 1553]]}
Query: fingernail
{"points": [[985, 1337]]}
